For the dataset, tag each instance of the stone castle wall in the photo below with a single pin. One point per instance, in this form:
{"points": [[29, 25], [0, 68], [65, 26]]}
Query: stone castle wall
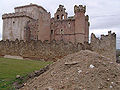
{"points": [[38, 50], [105, 46], [53, 50]]}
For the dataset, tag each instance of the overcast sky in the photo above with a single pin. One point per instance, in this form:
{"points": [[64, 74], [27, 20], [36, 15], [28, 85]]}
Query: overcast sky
{"points": [[104, 14]]}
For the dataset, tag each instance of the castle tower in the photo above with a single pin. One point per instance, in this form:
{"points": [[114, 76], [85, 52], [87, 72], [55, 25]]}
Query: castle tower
{"points": [[81, 30], [14, 25], [60, 13]]}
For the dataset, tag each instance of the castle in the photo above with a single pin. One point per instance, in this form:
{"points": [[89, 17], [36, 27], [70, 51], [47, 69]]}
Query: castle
{"points": [[33, 22], [30, 32]]}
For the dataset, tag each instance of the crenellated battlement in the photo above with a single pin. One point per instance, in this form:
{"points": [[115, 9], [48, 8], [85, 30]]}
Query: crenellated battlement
{"points": [[110, 35], [86, 17], [105, 45], [17, 14], [61, 8], [79, 8]]}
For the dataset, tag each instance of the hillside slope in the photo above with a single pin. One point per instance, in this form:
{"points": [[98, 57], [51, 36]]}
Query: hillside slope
{"points": [[84, 70]]}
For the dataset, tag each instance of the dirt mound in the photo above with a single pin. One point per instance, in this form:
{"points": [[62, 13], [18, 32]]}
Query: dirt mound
{"points": [[84, 70]]}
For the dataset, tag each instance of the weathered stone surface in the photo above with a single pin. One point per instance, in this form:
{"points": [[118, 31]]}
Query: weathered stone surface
{"points": [[54, 50], [37, 50], [71, 63], [106, 45]]}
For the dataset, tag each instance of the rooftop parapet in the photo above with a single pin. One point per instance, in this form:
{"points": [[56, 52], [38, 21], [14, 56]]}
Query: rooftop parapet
{"points": [[31, 5], [17, 14], [103, 37], [106, 45], [110, 34], [79, 8]]}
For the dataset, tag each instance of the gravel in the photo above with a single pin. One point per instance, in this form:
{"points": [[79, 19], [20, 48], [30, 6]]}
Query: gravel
{"points": [[85, 70]]}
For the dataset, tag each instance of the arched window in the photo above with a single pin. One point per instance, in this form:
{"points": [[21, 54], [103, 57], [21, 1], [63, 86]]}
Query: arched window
{"points": [[58, 17], [69, 24], [62, 17]]}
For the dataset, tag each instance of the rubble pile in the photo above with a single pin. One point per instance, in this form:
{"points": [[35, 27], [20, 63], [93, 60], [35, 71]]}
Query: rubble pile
{"points": [[85, 70]]}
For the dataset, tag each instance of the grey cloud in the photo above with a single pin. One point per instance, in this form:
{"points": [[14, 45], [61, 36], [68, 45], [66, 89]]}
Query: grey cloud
{"points": [[105, 22]]}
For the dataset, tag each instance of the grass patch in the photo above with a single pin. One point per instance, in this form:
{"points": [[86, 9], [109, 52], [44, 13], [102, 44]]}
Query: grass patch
{"points": [[9, 68]]}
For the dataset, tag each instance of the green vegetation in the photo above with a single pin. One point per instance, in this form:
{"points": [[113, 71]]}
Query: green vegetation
{"points": [[9, 68]]}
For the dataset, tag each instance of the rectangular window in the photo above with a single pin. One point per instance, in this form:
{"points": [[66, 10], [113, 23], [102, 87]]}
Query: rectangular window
{"points": [[52, 32]]}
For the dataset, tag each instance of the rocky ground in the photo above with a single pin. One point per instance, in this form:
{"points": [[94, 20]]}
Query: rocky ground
{"points": [[85, 70]]}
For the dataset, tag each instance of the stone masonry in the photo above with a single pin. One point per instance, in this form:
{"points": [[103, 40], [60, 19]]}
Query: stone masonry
{"points": [[105, 46], [33, 22], [30, 32], [36, 49]]}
